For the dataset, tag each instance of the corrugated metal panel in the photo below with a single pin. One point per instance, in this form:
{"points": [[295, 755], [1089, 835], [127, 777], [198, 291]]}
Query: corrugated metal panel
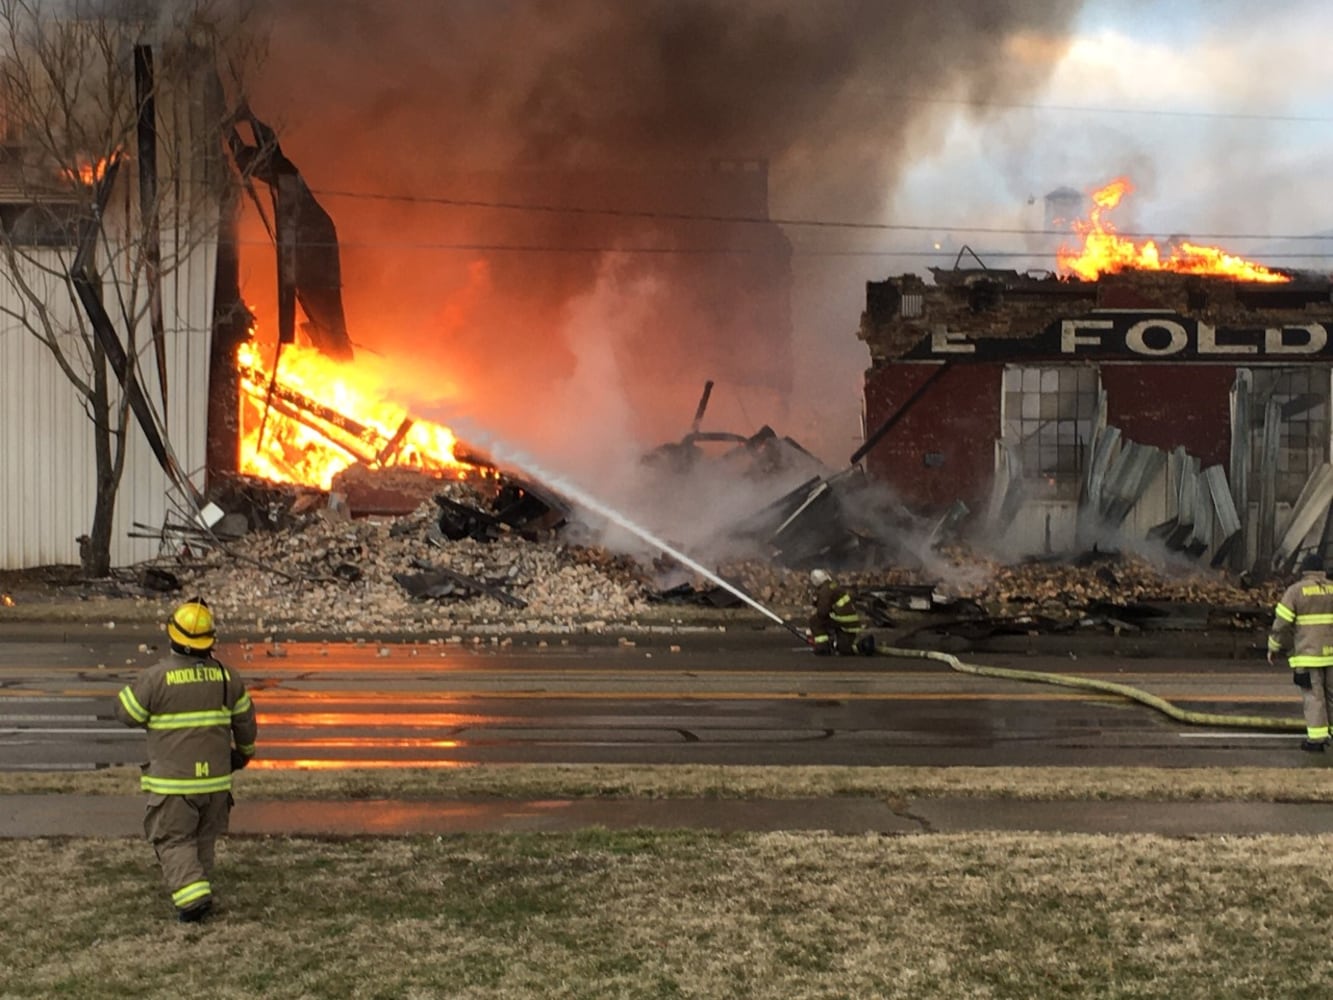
{"points": [[187, 296], [48, 475], [1042, 527], [47, 483], [47, 472]]}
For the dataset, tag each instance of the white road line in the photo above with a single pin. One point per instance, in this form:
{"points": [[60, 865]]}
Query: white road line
{"points": [[69, 730], [53, 718]]}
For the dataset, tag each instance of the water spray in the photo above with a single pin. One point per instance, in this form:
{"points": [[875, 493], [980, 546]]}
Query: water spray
{"points": [[509, 456]]}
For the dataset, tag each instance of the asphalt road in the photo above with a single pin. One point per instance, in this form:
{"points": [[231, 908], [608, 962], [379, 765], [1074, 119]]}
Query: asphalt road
{"points": [[713, 700]]}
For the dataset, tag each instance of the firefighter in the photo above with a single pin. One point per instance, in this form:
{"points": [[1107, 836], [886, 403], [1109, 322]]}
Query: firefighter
{"points": [[201, 729], [835, 626], [1303, 633]]}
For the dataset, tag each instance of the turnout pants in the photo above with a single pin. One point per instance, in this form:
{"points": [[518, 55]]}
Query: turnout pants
{"points": [[183, 830], [1317, 704]]}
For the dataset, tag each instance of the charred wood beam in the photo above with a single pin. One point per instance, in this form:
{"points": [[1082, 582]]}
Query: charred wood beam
{"points": [[395, 442], [285, 216], [252, 378], [144, 85], [898, 414], [87, 290], [703, 405], [306, 420]]}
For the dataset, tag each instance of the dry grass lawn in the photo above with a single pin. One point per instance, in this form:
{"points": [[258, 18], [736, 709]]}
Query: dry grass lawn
{"points": [[671, 914], [1311, 783], [674, 914]]}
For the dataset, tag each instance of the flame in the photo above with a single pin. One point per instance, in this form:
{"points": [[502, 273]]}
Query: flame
{"points": [[1104, 251], [6, 600], [87, 172], [325, 415]]}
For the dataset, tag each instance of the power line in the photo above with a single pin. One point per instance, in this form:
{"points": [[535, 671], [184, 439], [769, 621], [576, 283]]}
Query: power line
{"points": [[472, 247], [778, 221]]}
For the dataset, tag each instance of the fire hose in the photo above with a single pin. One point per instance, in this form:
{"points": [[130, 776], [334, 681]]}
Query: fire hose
{"points": [[1126, 691], [1108, 687]]}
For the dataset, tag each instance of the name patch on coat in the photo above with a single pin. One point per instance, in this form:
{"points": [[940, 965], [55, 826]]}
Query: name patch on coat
{"points": [[194, 675]]}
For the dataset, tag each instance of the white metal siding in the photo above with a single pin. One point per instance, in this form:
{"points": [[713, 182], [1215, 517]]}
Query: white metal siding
{"points": [[47, 466]]}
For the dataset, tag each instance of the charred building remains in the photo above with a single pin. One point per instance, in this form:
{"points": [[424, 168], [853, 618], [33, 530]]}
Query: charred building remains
{"points": [[1187, 409]]}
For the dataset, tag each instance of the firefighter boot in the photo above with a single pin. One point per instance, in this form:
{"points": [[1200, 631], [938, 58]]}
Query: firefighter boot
{"points": [[195, 914]]}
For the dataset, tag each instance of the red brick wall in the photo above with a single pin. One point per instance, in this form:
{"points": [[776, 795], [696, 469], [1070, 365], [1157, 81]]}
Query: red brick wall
{"points": [[956, 419], [1168, 406]]}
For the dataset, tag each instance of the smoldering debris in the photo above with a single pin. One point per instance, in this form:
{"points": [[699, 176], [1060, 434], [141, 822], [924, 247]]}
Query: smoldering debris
{"points": [[334, 575], [400, 551], [326, 572]]}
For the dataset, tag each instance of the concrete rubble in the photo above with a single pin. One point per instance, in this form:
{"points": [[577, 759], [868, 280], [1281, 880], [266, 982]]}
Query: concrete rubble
{"points": [[497, 557]]}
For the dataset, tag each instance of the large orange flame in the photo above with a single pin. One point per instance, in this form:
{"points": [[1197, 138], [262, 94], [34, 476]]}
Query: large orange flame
{"points": [[323, 416], [1104, 251]]}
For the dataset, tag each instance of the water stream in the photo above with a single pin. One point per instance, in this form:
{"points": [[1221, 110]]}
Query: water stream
{"points": [[505, 455]]}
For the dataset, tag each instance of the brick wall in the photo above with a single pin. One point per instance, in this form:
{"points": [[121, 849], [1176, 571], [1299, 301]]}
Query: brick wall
{"points": [[943, 448]]}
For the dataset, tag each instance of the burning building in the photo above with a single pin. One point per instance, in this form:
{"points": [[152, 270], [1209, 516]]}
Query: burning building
{"points": [[215, 376], [1178, 394]]}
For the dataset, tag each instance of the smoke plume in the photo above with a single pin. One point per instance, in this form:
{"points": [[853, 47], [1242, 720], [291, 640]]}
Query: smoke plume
{"points": [[589, 333]]}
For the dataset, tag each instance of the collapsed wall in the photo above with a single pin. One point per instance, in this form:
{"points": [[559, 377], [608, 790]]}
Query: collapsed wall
{"points": [[1188, 410]]}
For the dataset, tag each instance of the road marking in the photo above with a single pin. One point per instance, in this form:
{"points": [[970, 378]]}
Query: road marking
{"points": [[53, 718], [70, 730]]}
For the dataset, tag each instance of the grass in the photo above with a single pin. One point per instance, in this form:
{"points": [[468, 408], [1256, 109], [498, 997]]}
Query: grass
{"points": [[679, 914], [536, 781]]}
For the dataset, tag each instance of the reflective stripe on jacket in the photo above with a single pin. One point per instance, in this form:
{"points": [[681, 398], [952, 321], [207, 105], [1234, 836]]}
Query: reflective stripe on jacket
{"points": [[834, 609], [193, 708], [1303, 623]]}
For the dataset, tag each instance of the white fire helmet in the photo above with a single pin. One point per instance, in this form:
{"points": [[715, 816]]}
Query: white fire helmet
{"points": [[818, 577]]}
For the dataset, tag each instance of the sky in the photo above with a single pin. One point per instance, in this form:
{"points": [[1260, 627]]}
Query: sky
{"points": [[945, 119], [1220, 114]]}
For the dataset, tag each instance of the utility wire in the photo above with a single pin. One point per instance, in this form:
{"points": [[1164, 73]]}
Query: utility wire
{"points": [[705, 251], [765, 220]]}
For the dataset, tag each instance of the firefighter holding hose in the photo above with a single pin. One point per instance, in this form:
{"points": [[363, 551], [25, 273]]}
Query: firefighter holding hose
{"points": [[1303, 633], [835, 625]]}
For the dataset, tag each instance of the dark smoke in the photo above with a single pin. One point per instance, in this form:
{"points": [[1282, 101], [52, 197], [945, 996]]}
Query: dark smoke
{"points": [[628, 106]]}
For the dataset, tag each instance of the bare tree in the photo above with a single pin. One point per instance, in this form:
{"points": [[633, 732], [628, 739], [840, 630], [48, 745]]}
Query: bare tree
{"points": [[111, 177]]}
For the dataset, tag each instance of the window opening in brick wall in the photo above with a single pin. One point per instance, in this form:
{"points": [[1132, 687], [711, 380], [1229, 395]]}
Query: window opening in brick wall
{"points": [[1303, 441], [1048, 418]]}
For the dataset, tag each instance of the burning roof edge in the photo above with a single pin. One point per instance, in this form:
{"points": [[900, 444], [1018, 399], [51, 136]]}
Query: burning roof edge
{"points": [[1038, 280]]}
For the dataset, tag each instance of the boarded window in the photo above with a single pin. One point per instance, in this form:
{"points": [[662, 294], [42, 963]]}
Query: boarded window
{"points": [[1048, 418], [1302, 396]]}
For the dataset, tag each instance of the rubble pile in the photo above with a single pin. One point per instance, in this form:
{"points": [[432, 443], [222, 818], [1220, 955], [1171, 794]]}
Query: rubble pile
{"points": [[1057, 590], [336, 575], [491, 552], [1123, 579]]}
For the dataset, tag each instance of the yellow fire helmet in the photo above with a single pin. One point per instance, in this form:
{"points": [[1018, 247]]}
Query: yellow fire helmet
{"points": [[191, 626]]}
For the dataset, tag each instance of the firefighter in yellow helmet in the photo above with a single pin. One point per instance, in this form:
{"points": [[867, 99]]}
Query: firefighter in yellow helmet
{"points": [[201, 728], [835, 625], [1302, 631]]}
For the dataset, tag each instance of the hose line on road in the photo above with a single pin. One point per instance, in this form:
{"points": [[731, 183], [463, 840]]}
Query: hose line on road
{"points": [[1110, 687]]}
